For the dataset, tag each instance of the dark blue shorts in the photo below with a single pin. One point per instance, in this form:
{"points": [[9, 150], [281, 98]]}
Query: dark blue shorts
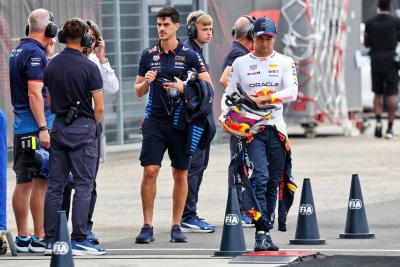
{"points": [[160, 136]]}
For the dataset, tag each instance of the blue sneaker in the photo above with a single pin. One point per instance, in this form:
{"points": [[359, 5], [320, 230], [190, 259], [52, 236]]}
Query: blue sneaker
{"points": [[37, 245], [176, 235], [195, 225], [22, 243], [86, 247], [92, 238], [246, 221], [146, 235]]}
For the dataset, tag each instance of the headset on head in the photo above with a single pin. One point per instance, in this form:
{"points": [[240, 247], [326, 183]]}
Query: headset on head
{"points": [[86, 39], [249, 34], [51, 28], [192, 28]]}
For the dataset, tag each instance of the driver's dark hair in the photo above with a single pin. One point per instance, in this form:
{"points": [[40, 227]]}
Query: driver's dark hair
{"points": [[169, 12]]}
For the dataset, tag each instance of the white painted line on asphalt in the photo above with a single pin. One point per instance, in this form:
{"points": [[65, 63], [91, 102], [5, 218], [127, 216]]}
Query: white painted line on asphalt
{"points": [[290, 249]]}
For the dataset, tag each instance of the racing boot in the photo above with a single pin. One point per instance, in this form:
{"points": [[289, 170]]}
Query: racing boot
{"points": [[261, 243], [272, 246]]}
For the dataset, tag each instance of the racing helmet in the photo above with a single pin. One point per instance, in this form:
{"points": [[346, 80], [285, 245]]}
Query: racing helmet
{"points": [[240, 121]]}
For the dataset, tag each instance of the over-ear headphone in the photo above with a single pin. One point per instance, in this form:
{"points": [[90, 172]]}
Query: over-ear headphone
{"points": [[192, 28], [51, 28], [249, 34], [86, 39]]}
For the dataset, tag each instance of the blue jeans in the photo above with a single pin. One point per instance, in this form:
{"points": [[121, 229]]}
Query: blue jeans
{"points": [[268, 156]]}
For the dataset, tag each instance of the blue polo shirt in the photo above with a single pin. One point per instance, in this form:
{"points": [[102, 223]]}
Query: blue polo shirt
{"points": [[190, 43], [27, 63], [235, 50], [167, 64], [71, 77]]}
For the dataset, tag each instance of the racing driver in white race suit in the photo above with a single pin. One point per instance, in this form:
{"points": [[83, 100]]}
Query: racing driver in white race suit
{"points": [[268, 78]]}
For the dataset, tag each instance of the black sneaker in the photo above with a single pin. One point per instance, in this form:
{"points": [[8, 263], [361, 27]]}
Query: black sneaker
{"points": [[272, 246], [146, 235], [176, 235], [378, 130], [37, 245], [22, 243]]}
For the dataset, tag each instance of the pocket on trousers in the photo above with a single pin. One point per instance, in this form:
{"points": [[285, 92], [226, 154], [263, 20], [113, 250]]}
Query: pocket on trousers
{"points": [[90, 160], [91, 153]]}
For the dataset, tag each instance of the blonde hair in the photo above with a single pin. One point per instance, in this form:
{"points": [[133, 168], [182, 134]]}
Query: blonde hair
{"points": [[201, 18]]}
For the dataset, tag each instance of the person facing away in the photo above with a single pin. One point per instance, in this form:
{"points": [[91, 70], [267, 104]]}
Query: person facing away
{"points": [[73, 82], [382, 32], [97, 54]]}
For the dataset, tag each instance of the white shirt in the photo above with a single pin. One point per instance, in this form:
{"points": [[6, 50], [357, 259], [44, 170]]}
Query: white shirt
{"points": [[110, 81], [277, 73]]}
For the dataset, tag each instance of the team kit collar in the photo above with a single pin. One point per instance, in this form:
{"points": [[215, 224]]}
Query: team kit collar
{"points": [[24, 40], [161, 51], [263, 58]]}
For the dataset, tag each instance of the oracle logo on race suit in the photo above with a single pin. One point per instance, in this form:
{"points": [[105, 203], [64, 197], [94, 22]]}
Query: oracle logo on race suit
{"points": [[266, 84]]}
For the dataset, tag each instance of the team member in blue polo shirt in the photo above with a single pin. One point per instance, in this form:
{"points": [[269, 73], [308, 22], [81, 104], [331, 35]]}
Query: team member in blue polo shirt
{"points": [[32, 118], [158, 68], [73, 82], [242, 44], [200, 32]]}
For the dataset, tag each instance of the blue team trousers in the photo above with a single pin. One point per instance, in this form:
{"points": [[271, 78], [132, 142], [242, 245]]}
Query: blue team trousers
{"points": [[73, 148], [198, 164], [268, 156]]}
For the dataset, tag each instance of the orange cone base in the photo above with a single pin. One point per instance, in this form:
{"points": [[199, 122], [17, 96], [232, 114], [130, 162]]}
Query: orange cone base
{"points": [[357, 236], [307, 242]]}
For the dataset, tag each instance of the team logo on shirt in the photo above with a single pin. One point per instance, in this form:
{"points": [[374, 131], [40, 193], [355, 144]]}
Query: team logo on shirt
{"points": [[267, 84], [35, 61], [253, 67], [156, 57], [273, 65], [180, 58]]}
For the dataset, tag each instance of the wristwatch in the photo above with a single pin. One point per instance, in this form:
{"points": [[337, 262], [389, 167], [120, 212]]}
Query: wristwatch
{"points": [[43, 128]]}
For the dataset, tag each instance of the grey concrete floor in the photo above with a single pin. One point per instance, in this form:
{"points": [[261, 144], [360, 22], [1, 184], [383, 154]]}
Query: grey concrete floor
{"points": [[329, 160]]}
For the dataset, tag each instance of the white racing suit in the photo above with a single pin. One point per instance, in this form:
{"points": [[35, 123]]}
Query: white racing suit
{"points": [[274, 75]]}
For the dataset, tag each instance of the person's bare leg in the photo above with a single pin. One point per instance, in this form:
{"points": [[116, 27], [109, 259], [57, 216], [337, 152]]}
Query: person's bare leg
{"points": [[391, 105], [149, 191], [179, 194], [378, 105], [39, 187], [20, 203]]}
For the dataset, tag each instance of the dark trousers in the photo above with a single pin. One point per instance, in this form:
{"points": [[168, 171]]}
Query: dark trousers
{"points": [[268, 156], [73, 148], [68, 189], [198, 164]]}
